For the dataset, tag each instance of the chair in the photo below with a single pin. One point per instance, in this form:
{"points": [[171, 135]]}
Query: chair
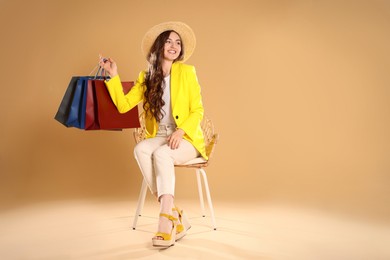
{"points": [[199, 164]]}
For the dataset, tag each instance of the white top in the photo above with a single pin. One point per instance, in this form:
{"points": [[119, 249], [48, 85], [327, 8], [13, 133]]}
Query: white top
{"points": [[167, 108]]}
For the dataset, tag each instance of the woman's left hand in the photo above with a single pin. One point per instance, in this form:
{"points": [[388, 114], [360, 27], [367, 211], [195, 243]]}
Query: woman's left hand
{"points": [[175, 138]]}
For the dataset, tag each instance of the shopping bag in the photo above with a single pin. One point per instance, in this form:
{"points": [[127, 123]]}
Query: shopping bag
{"points": [[63, 110], [76, 116], [91, 116], [108, 115], [87, 105]]}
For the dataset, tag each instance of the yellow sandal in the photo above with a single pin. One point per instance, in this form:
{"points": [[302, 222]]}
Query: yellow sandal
{"points": [[168, 239], [183, 225]]}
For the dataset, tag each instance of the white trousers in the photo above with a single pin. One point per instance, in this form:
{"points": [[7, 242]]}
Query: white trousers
{"points": [[156, 160]]}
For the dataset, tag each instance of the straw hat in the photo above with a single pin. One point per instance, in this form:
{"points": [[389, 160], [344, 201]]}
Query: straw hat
{"points": [[186, 34]]}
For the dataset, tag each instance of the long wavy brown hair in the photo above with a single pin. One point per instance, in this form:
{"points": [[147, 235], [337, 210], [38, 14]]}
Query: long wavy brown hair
{"points": [[154, 78]]}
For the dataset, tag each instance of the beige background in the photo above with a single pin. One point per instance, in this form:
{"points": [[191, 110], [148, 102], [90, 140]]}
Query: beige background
{"points": [[298, 90]]}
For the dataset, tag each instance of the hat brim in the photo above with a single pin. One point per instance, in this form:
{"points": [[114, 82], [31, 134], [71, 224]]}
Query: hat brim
{"points": [[186, 34]]}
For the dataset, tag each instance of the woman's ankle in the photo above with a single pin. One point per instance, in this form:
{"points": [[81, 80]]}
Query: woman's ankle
{"points": [[165, 225]]}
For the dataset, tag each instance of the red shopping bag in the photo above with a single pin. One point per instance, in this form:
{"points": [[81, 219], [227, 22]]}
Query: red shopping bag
{"points": [[105, 115], [91, 113]]}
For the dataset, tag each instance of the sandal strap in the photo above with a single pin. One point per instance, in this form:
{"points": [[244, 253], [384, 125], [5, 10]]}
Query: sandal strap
{"points": [[179, 228], [170, 217], [178, 211], [165, 236]]}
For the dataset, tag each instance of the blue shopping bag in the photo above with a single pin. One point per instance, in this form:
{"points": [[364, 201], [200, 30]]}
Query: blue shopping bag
{"points": [[76, 116]]}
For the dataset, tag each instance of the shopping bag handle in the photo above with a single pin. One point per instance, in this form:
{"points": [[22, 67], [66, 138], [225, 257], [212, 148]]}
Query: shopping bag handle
{"points": [[94, 69], [100, 70]]}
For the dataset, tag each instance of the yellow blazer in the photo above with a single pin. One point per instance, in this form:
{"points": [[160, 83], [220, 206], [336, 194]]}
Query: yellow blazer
{"points": [[186, 101]]}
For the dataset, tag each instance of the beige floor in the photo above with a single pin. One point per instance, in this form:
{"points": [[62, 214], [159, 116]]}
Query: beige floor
{"points": [[93, 230]]}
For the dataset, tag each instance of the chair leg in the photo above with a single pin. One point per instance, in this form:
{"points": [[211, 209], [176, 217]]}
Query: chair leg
{"points": [[206, 184], [200, 192], [141, 202]]}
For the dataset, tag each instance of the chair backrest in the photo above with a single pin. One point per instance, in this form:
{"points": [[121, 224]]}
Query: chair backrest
{"points": [[210, 137], [140, 132]]}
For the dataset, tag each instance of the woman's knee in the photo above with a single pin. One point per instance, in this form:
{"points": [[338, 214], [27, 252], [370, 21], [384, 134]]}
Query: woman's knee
{"points": [[161, 153], [139, 149]]}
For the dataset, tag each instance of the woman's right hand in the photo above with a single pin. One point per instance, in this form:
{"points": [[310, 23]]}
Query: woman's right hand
{"points": [[108, 65]]}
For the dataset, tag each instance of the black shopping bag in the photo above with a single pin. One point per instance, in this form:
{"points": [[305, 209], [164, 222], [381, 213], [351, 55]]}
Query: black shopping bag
{"points": [[63, 111]]}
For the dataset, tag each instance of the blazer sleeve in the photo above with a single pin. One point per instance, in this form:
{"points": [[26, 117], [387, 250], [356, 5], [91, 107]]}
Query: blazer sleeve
{"points": [[191, 125], [123, 102]]}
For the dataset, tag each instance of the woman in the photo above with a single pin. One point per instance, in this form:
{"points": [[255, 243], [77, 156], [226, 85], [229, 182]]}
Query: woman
{"points": [[173, 107]]}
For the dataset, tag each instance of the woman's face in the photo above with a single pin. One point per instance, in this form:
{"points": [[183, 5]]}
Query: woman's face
{"points": [[172, 47]]}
